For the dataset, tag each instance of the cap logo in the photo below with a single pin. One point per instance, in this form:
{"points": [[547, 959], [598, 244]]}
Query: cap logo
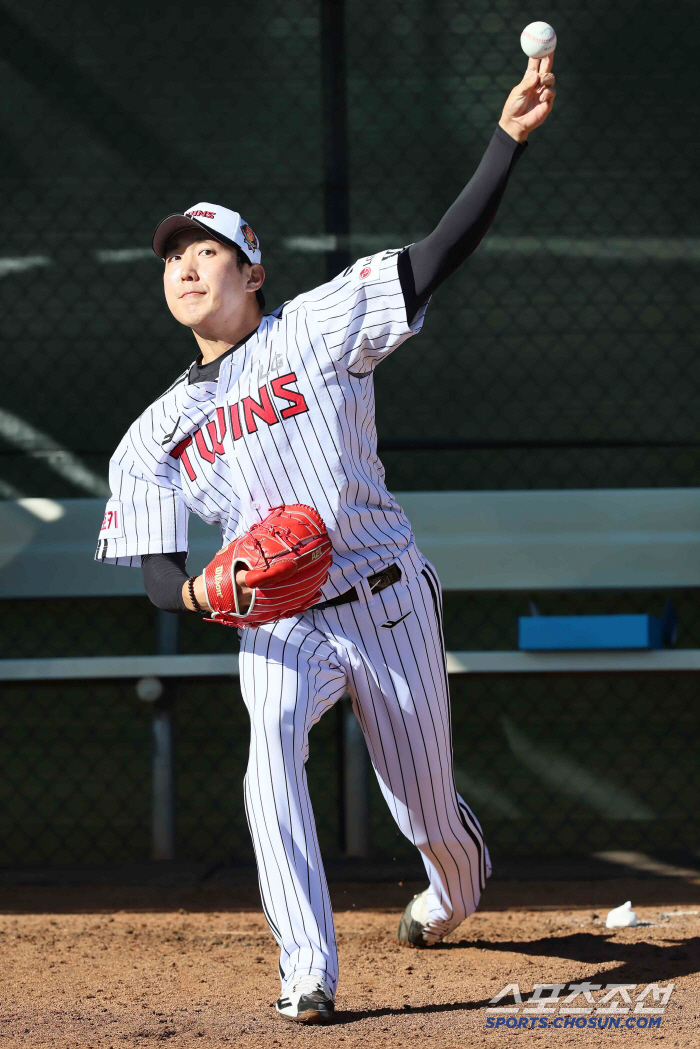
{"points": [[200, 214], [249, 237]]}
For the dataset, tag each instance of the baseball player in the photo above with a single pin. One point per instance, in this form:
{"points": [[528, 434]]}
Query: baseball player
{"points": [[277, 411]]}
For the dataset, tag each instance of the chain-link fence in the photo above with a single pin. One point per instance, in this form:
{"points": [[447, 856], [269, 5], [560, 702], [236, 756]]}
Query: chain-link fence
{"points": [[563, 354], [558, 767], [553, 765]]}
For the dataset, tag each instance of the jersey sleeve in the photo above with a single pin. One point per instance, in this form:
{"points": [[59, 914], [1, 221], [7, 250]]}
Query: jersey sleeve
{"points": [[362, 312], [142, 517]]}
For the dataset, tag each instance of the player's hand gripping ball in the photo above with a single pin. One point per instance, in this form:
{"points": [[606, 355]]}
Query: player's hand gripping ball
{"points": [[287, 556]]}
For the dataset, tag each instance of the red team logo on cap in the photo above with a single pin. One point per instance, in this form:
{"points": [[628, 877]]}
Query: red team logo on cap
{"points": [[366, 271], [250, 238], [200, 214]]}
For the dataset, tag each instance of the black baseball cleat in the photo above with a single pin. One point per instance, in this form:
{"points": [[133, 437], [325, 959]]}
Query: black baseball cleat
{"points": [[413, 927], [308, 1001]]}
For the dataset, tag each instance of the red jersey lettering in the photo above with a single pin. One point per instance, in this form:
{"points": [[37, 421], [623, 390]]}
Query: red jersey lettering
{"points": [[280, 388], [217, 447], [264, 410], [180, 452]]}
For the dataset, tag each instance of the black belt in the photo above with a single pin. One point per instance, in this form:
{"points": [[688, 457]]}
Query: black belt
{"points": [[378, 581]]}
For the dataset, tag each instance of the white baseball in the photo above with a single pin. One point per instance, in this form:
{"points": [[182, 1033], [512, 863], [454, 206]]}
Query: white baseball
{"points": [[538, 39]]}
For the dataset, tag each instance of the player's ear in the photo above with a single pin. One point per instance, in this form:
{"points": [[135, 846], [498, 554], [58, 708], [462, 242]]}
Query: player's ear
{"points": [[256, 277]]}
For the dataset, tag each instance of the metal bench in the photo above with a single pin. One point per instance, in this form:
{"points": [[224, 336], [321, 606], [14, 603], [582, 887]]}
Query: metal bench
{"points": [[478, 541]]}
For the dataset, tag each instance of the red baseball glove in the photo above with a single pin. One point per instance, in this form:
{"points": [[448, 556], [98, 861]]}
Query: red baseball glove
{"points": [[288, 556]]}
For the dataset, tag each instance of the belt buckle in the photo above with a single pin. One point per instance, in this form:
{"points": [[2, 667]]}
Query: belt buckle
{"points": [[387, 578]]}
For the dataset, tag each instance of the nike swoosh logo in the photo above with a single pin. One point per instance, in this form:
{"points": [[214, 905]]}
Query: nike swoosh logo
{"points": [[394, 622], [171, 435]]}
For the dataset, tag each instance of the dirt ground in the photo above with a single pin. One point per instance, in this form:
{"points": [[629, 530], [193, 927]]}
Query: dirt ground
{"points": [[122, 967]]}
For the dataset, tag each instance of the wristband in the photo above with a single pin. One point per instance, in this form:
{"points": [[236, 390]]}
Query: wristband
{"points": [[193, 599]]}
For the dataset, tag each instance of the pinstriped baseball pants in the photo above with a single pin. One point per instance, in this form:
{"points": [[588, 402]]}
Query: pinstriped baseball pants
{"points": [[292, 672]]}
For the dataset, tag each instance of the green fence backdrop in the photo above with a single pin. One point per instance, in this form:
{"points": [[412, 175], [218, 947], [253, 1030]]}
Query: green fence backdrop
{"points": [[563, 354]]}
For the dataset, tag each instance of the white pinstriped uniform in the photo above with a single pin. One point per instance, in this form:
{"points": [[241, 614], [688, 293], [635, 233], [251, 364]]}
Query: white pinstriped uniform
{"points": [[291, 420]]}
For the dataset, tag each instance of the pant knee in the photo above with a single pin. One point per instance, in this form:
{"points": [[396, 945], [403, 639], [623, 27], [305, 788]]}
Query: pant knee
{"points": [[451, 844]]}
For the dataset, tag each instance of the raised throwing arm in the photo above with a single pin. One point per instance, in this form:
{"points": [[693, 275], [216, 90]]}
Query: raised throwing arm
{"points": [[430, 261]]}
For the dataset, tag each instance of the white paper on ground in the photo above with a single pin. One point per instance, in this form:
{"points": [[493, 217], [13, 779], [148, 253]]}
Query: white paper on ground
{"points": [[620, 917]]}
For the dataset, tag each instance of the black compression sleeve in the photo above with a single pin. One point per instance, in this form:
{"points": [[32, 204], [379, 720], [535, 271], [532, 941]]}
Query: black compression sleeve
{"points": [[429, 262], [163, 576]]}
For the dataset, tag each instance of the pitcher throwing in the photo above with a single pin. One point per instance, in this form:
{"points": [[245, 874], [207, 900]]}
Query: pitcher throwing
{"points": [[278, 411]]}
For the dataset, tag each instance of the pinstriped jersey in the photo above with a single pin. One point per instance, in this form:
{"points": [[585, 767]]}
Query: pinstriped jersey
{"points": [[290, 419]]}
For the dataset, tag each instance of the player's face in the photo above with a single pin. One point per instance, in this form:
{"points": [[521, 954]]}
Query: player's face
{"points": [[204, 288]]}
